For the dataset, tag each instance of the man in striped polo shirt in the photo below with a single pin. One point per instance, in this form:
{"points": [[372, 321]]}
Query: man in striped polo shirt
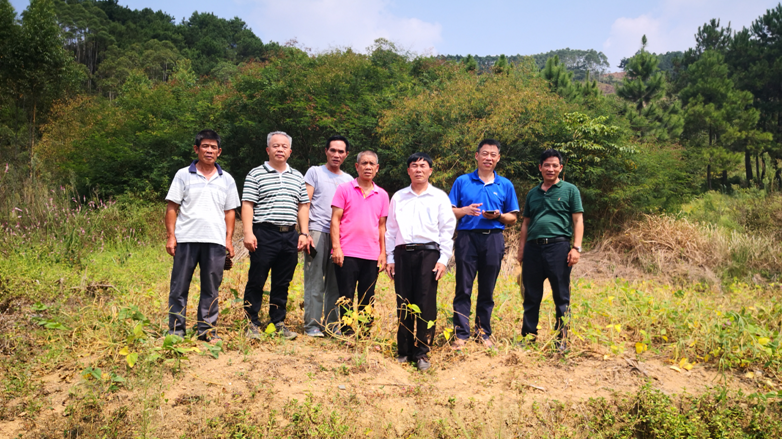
{"points": [[274, 199], [205, 197]]}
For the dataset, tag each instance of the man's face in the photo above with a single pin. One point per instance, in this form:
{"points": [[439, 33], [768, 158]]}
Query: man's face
{"points": [[336, 153], [279, 149], [488, 157], [208, 151], [550, 169], [419, 171], [367, 167]]}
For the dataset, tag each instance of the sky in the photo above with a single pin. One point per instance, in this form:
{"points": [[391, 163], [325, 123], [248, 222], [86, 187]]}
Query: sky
{"points": [[461, 27]]}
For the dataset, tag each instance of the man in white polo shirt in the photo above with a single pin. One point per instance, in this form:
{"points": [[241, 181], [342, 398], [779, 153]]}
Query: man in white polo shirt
{"points": [[205, 197]]}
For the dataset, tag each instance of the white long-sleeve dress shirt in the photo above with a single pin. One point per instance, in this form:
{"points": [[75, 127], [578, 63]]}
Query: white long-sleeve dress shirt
{"points": [[418, 219]]}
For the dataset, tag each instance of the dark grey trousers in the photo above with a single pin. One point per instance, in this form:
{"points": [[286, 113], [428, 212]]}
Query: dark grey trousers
{"points": [[211, 259]]}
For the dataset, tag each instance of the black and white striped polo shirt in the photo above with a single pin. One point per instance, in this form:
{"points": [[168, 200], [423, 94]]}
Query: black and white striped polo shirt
{"points": [[276, 195]]}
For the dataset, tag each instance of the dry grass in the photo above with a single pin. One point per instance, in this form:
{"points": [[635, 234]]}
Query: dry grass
{"points": [[679, 250]]}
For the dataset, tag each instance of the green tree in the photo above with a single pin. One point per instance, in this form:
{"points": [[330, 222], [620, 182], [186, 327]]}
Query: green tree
{"points": [[559, 78], [644, 83], [643, 88], [719, 119], [470, 64]]}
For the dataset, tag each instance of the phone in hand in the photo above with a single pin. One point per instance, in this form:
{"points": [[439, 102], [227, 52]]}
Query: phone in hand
{"points": [[313, 252], [493, 212]]}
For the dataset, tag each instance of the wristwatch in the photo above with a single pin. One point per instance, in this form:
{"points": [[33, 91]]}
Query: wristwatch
{"points": [[304, 234], [578, 249]]}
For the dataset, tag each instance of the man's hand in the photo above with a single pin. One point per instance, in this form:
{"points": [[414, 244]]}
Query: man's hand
{"points": [[305, 242], [572, 257], [472, 209], [390, 271], [250, 241], [171, 245], [337, 257], [491, 215], [381, 262], [230, 247], [520, 255], [439, 271]]}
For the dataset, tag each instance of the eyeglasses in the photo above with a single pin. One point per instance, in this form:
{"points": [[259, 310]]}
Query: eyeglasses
{"points": [[493, 155]]}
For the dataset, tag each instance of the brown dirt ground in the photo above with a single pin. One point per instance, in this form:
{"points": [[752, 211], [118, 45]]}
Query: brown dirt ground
{"points": [[328, 370], [509, 379]]}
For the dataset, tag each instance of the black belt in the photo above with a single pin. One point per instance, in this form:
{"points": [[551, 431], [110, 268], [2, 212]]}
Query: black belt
{"points": [[271, 226], [483, 231], [543, 241], [414, 247]]}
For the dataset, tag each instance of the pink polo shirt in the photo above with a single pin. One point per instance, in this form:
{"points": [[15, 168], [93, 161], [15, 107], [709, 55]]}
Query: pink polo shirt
{"points": [[359, 234]]}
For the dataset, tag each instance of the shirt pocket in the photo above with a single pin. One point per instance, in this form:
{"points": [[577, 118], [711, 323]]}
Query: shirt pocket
{"points": [[219, 196]]}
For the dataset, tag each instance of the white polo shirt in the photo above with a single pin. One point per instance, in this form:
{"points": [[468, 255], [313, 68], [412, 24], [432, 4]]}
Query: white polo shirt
{"points": [[202, 204]]}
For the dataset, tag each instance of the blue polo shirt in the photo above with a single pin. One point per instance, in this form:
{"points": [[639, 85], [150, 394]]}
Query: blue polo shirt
{"points": [[498, 195]]}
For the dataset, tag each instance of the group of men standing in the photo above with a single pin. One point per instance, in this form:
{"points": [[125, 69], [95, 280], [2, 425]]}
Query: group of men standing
{"points": [[350, 232]]}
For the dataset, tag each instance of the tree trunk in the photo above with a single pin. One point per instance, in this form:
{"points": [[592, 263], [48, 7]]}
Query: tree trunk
{"points": [[32, 142], [748, 166], [757, 169], [708, 176], [725, 180]]}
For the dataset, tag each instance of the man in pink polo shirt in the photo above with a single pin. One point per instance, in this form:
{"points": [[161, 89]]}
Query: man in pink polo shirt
{"points": [[358, 228]]}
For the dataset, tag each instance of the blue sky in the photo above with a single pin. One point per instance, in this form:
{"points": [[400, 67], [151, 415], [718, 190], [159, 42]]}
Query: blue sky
{"points": [[489, 27]]}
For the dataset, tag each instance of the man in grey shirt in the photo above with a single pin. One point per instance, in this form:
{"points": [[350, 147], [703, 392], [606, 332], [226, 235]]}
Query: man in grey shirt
{"points": [[320, 284]]}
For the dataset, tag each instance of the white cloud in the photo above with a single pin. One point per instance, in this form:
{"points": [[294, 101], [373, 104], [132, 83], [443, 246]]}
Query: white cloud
{"points": [[673, 24], [324, 24]]}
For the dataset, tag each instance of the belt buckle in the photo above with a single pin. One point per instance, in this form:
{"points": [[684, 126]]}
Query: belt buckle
{"points": [[285, 228], [410, 247], [486, 232], [545, 240]]}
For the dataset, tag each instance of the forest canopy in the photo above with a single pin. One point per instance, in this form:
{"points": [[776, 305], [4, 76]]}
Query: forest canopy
{"points": [[107, 99]]}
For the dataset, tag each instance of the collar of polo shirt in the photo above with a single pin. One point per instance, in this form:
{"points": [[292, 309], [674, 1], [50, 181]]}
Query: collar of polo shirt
{"points": [[193, 169]]}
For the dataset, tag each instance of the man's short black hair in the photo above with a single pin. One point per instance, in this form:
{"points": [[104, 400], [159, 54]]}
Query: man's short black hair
{"points": [[420, 156], [338, 137], [208, 135], [489, 142], [551, 153]]}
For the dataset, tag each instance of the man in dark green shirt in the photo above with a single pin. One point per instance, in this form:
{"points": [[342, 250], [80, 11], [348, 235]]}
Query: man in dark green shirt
{"points": [[552, 216]]}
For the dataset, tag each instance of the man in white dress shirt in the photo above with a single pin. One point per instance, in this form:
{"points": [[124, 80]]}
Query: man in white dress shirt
{"points": [[419, 243]]}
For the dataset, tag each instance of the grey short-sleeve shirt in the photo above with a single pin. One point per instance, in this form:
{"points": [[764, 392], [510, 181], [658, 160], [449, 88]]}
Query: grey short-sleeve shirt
{"points": [[325, 183]]}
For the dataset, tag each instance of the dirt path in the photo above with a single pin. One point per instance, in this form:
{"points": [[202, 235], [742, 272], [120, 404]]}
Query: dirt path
{"points": [[272, 375]]}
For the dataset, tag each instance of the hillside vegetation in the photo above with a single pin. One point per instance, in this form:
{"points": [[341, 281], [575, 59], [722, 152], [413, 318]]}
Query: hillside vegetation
{"points": [[676, 304]]}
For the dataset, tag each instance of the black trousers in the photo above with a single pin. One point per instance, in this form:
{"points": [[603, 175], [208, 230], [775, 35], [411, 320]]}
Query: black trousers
{"points": [[357, 273], [481, 254], [415, 284], [211, 259], [541, 262], [277, 251]]}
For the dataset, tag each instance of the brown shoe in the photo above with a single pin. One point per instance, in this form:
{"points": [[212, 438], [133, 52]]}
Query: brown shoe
{"points": [[487, 343], [458, 344]]}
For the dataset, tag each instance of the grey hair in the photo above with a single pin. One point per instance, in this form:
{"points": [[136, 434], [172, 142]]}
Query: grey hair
{"points": [[282, 133], [363, 153]]}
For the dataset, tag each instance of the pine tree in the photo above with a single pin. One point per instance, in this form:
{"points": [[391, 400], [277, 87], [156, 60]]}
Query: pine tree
{"points": [[644, 81], [470, 64], [719, 119], [559, 78]]}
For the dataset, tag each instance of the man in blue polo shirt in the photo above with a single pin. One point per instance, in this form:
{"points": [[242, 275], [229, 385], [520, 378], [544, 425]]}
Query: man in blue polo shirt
{"points": [[199, 228], [484, 203]]}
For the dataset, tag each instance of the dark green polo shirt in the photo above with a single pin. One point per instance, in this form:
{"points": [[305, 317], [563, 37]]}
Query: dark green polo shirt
{"points": [[551, 212]]}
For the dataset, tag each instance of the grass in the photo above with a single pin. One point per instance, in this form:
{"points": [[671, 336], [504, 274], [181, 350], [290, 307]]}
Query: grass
{"points": [[91, 308]]}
